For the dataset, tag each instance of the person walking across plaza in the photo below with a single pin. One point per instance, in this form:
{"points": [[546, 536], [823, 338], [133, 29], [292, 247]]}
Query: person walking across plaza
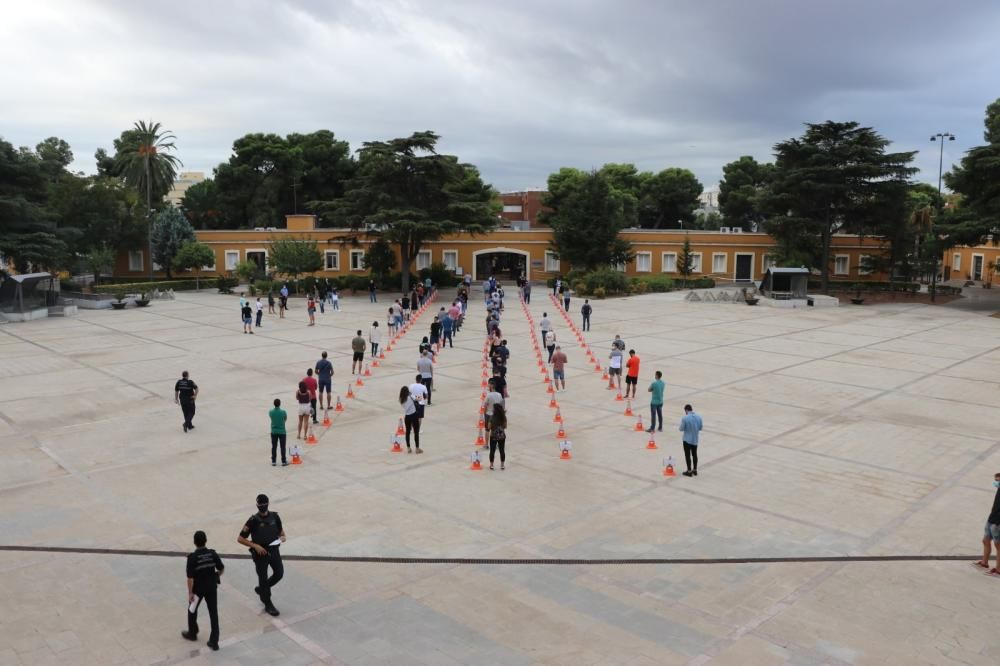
{"points": [[690, 425], [313, 387], [302, 399], [631, 374], [565, 298], [550, 343], [260, 312], [545, 325], [270, 302], [204, 568], [311, 309], [374, 340], [263, 534], [247, 317], [585, 312], [185, 393], [991, 533], [425, 366], [358, 345], [371, 291], [324, 377], [412, 411], [279, 418], [498, 434], [526, 291], [558, 361], [656, 388]]}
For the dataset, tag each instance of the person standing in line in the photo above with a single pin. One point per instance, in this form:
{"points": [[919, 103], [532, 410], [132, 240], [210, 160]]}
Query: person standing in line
{"points": [[425, 346], [618, 343], [412, 411], [498, 434], [499, 383], [405, 303], [565, 298], [656, 388], [247, 318], [494, 397], [486, 290], [204, 568], [390, 322], [270, 302], [425, 366], [586, 311], [374, 339], [324, 377], [371, 291], [358, 348], [335, 299], [690, 425], [302, 399], [260, 312], [399, 314], [185, 393], [282, 305], [556, 285], [435, 331], [615, 368], [545, 325], [463, 299], [447, 326], [321, 299], [279, 418], [550, 343], [500, 354], [631, 374], [558, 362], [243, 302], [311, 309], [527, 292], [263, 534], [312, 386], [991, 533], [455, 312]]}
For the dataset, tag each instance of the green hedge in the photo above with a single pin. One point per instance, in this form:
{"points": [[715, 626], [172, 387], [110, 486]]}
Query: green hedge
{"points": [[612, 282], [147, 287], [867, 285]]}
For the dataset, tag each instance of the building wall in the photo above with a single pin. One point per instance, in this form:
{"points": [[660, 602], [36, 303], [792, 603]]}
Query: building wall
{"points": [[960, 263], [184, 180], [522, 207]]}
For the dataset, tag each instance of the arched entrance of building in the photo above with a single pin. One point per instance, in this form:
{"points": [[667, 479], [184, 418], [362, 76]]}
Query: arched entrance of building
{"points": [[503, 262]]}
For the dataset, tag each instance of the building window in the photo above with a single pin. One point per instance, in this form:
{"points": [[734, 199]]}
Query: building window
{"points": [[450, 260], [643, 262], [719, 262], [357, 260], [864, 264], [232, 258], [696, 262], [423, 259], [669, 260], [512, 209], [135, 261], [956, 262], [332, 260], [841, 264], [551, 262]]}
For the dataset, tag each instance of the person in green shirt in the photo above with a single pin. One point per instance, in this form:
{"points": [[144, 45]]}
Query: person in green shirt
{"points": [[278, 419], [656, 402]]}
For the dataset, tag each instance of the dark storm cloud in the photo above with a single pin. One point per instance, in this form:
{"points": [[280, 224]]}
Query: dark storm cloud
{"points": [[519, 88]]}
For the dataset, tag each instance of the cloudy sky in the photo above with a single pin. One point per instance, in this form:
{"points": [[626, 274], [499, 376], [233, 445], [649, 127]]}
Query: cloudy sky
{"points": [[519, 88]]}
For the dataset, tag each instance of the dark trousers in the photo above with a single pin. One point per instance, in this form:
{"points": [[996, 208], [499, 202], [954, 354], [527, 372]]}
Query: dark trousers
{"points": [[275, 440], [312, 407], [586, 322], [498, 444], [527, 298], [260, 315], [552, 349], [187, 408], [374, 349], [447, 339], [655, 411], [566, 304], [371, 296], [210, 597], [412, 425], [261, 563], [429, 383], [691, 456]]}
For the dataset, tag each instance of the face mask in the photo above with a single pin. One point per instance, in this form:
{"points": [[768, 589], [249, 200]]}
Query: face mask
{"points": [[996, 484], [262, 508]]}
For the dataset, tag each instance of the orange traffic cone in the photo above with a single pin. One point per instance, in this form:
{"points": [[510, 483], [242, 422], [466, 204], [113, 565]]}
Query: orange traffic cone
{"points": [[326, 418], [668, 467], [368, 373], [605, 376], [476, 465], [481, 424], [564, 451], [481, 439], [628, 408], [358, 381], [350, 391], [546, 380], [482, 408], [638, 424], [400, 430], [381, 355], [483, 384], [375, 363], [339, 407], [550, 390], [561, 434], [558, 416], [396, 448], [296, 455], [619, 397], [311, 437], [651, 444], [553, 403]]}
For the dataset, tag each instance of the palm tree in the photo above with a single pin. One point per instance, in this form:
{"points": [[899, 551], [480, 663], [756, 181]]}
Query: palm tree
{"points": [[146, 163]]}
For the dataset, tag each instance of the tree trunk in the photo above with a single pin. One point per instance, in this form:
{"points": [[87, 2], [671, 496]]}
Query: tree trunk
{"points": [[827, 234]]}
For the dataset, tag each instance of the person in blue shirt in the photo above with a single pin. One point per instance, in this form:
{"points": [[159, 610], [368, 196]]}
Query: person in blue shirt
{"points": [[447, 325], [690, 426]]}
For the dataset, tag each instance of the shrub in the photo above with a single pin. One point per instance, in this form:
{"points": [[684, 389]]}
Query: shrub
{"points": [[580, 287], [660, 283], [600, 292], [702, 283], [612, 281], [68, 285], [148, 287], [307, 284], [440, 275], [264, 286], [637, 286], [225, 284]]}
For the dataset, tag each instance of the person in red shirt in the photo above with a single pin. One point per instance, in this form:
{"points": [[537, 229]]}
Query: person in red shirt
{"points": [[312, 386], [632, 373]]}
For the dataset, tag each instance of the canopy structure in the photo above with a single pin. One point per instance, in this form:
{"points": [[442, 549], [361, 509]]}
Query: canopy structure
{"points": [[23, 293], [785, 283]]}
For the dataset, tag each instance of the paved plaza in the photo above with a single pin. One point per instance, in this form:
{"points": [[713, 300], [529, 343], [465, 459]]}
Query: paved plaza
{"points": [[851, 431]]}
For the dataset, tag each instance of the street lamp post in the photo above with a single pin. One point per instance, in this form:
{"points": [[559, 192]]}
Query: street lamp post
{"points": [[940, 137]]}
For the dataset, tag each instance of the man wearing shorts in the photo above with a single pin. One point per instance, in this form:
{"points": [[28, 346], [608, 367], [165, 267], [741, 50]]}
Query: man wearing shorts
{"points": [[358, 347], [559, 369], [632, 373], [312, 385], [615, 368], [324, 374], [992, 531], [425, 366]]}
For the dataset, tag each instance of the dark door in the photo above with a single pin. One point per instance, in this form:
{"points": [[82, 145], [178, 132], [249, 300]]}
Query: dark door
{"points": [[744, 267], [977, 267]]}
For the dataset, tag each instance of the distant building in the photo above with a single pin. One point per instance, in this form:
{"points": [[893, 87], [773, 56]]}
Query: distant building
{"points": [[708, 202], [521, 209], [184, 180]]}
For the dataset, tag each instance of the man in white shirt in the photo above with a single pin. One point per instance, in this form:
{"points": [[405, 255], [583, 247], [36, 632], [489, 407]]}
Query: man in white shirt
{"points": [[545, 325], [418, 391], [615, 368]]}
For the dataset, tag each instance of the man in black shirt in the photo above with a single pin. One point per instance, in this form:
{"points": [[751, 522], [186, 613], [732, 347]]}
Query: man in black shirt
{"points": [[265, 538], [992, 531], [185, 392], [203, 570]]}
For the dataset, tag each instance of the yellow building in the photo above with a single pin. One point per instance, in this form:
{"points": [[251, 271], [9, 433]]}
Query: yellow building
{"points": [[184, 180], [725, 256]]}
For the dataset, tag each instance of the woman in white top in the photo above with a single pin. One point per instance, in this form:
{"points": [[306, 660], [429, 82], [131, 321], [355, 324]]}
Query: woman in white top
{"points": [[410, 417], [390, 322], [374, 338]]}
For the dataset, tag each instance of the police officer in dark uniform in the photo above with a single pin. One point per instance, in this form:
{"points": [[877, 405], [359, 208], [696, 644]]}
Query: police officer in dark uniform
{"points": [[203, 570], [265, 538], [185, 392]]}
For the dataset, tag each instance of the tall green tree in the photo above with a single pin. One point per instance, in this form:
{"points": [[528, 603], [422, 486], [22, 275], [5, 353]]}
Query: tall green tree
{"points": [[100, 261], [294, 256], [685, 260], [95, 212], [29, 233], [202, 207], [145, 161], [380, 259], [977, 180], [836, 177], [586, 215], [170, 231], [194, 256], [407, 193], [743, 182], [668, 199]]}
